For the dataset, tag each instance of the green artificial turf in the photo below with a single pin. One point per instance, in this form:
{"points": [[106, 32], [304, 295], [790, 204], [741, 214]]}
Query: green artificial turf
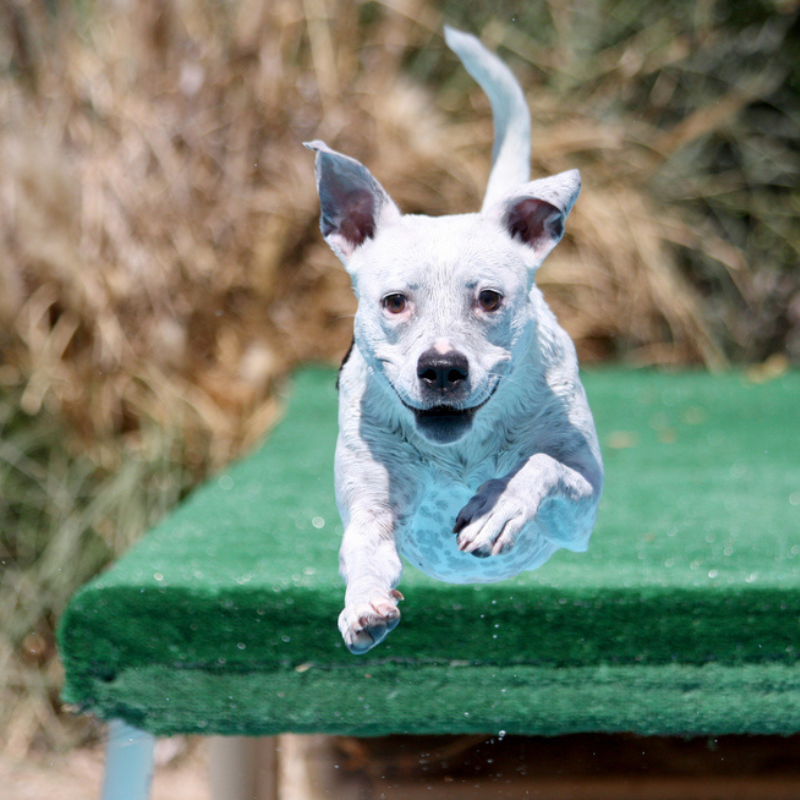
{"points": [[683, 617]]}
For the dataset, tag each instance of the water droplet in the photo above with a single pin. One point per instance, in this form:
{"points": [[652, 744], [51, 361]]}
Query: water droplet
{"points": [[318, 522], [158, 576], [242, 646]]}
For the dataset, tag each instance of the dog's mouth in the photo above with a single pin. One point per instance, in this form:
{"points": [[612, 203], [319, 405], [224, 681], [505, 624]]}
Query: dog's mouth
{"points": [[437, 412], [444, 424]]}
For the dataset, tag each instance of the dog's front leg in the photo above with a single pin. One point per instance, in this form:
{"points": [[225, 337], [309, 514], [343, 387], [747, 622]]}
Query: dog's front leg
{"points": [[368, 558], [562, 500], [371, 568]]}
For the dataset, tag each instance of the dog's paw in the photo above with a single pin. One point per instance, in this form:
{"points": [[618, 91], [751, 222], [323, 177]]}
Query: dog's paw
{"points": [[490, 522], [364, 624]]}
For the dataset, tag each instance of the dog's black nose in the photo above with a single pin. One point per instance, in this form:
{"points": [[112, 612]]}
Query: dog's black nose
{"points": [[443, 372]]}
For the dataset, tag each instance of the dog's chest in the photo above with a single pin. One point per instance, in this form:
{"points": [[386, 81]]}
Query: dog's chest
{"points": [[425, 538]]}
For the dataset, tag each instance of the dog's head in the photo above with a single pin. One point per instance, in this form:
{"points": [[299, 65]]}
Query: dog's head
{"points": [[444, 304]]}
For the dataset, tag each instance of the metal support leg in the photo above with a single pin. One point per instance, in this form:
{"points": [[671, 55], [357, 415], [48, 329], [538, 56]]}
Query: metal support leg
{"points": [[129, 763], [242, 768]]}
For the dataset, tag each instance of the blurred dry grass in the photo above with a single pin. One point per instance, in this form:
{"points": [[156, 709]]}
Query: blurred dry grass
{"points": [[161, 267]]}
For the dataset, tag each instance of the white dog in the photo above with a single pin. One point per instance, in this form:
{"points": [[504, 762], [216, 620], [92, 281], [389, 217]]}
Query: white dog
{"points": [[466, 443]]}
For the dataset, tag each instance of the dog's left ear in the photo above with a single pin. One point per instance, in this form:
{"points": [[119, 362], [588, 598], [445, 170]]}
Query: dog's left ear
{"points": [[354, 205], [535, 213]]}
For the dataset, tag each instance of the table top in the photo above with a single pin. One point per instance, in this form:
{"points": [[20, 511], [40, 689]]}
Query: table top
{"points": [[691, 584]]}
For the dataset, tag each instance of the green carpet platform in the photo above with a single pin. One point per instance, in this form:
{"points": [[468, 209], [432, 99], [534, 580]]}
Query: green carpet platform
{"points": [[683, 617]]}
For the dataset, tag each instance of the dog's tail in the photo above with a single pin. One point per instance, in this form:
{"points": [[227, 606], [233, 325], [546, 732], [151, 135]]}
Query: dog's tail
{"points": [[511, 156]]}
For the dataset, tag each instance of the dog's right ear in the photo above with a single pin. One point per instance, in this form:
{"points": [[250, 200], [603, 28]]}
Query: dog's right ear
{"points": [[354, 205]]}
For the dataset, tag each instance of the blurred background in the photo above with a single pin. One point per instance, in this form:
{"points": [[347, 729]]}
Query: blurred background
{"points": [[162, 270]]}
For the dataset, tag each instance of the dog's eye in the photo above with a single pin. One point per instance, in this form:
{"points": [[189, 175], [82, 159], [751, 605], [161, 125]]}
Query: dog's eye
{"points": [[489, 300], [395, 303]]}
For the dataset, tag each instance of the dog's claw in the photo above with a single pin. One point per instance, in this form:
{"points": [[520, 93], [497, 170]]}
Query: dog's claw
{"points": [[478, 548], [479, 552], [484, 541], [499, 546]]}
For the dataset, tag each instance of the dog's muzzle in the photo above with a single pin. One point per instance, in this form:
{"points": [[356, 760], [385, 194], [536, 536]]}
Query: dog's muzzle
{"points": [[444, 382]]}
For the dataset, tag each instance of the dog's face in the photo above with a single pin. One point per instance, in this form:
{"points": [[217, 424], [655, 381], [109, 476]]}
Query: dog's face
{"points": [[440, 312], [444, 304]]}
